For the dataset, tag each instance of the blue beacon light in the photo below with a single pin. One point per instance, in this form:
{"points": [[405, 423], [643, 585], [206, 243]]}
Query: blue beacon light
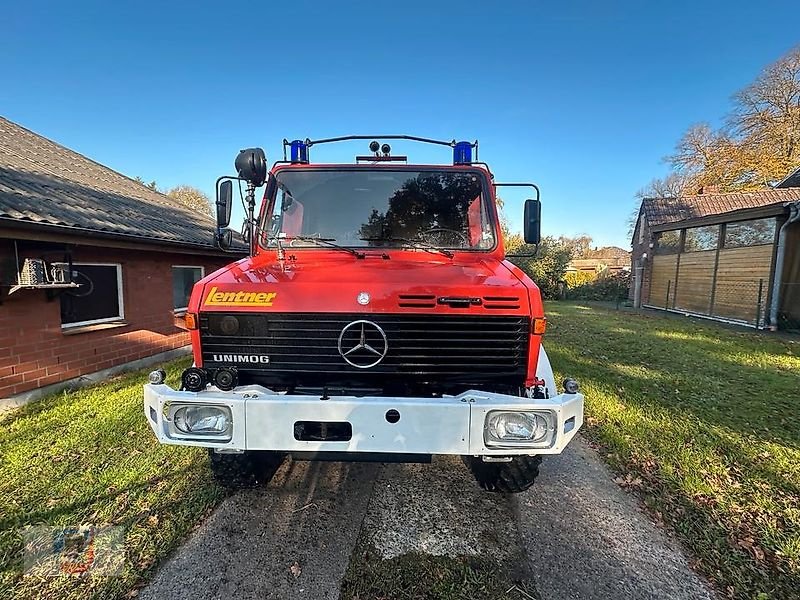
{"points": [[299, 151], [462, 153]]}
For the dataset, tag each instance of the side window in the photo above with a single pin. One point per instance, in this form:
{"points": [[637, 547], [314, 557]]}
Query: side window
{"points": [[481, 233], [750, 233], [287, 215], [98, 297], [668, 242], [701, 238], [183, 280]]}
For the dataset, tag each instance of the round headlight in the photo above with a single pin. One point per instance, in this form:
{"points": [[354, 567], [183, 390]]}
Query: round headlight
{"points": [[202, 419], [226, 378], [157, 377], [194, 379], [517, 426], [571, 386]]}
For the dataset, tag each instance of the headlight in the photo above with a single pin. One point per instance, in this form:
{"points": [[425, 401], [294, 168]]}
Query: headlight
{"points": [[157, 377], [519, 428], [214, 420]]}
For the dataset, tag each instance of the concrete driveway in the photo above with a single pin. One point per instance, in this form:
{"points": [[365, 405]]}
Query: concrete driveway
{"points": [[579, 534]]}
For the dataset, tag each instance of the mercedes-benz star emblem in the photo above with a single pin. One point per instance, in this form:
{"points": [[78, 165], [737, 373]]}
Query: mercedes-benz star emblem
{"points": [[363, 298], [363, 344]]}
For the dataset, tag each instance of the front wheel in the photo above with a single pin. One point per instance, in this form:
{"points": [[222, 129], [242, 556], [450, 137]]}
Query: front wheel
{"points": [[244, 470], [505, 477]]}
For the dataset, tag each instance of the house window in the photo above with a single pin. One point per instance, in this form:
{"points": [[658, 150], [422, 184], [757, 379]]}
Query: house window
{"points": [[183, 280], [750, 233], [701, 238], [98, 297], [668, 242]]}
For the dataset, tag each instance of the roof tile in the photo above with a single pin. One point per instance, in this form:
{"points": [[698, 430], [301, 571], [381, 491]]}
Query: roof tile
{"points": [[662, 211], [43, 182]]}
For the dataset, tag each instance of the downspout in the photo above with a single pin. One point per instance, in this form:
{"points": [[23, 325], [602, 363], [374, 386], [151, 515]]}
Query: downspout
{"points": [[794, 215], [637, 284]]}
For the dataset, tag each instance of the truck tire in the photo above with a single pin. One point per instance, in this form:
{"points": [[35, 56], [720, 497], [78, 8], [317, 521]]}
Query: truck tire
{"points": [[245, 470], [505, 477]]}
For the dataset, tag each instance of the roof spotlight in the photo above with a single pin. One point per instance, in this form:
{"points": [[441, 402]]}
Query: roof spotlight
{"points": [[386, 148], [374, 146]]}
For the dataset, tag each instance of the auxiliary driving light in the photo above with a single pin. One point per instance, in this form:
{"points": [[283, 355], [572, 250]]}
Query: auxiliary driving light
{"points": [[213, 420], [571, 386], [194, 379], [226, 378], [517, 427], [157, 377]]}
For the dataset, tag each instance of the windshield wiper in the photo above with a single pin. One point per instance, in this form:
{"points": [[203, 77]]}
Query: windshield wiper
{"points": [[327, 242], [418, 244]]}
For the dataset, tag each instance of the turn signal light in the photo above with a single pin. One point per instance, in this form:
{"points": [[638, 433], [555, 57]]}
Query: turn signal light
{"points": [[191, 320], [538, 326]]}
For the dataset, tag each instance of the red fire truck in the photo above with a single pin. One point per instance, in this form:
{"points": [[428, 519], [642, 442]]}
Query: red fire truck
{"points": [[375, 318]]}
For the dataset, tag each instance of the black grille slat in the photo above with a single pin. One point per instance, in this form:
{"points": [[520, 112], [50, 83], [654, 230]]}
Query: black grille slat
{"points": [[455, 346]]}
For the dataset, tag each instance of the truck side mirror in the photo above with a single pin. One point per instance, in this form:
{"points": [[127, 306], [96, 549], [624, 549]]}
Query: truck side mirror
{"points": [[224, 203], [223, 238], [251, 165], [532, 222]]}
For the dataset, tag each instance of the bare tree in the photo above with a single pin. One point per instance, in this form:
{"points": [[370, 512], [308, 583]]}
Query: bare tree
{"points": [[671, 186], [192, 198]]}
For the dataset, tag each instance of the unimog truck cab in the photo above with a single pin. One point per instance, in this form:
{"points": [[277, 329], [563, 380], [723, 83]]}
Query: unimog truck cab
{"points": [[376, 317]]}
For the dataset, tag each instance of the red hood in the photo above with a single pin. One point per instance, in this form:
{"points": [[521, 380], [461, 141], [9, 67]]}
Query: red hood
{"points": [[327, 281]]}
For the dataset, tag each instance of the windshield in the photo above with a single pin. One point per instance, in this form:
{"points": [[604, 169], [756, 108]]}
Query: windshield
{"points": [[379, 208]]}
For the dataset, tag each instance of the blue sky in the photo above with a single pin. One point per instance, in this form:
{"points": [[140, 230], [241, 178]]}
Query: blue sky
{"points": [[584, 98]]}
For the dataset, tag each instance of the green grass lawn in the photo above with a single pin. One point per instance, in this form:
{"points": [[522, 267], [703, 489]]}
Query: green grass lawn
{"points": [[703, 422], [89, 457]]}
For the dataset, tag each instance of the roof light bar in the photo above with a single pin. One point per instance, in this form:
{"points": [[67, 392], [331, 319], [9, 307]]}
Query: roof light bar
{"points": [[462, 151]]}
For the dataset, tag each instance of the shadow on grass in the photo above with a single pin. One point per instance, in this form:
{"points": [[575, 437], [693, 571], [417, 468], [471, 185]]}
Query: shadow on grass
{"points": [[751, 400], [694, 424]]}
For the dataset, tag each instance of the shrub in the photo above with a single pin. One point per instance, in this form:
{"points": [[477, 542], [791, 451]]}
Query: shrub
{"points": [[609, 287]]}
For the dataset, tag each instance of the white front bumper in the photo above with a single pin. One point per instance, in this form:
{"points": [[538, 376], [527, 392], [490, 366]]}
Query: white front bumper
{"points": [[264, 420]]}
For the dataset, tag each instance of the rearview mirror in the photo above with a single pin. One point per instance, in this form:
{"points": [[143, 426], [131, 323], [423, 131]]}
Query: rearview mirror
{"points": [[224, 203], [532, 222], [251, 165]]}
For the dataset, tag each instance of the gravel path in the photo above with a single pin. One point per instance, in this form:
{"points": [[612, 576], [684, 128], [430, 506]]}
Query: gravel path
{"points": [[308, 518], [584, 537], [587, 539]]}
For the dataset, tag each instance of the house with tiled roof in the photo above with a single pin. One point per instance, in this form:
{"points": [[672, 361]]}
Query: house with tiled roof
{"points": [[95, 268], [607, 259], [728, 256]]}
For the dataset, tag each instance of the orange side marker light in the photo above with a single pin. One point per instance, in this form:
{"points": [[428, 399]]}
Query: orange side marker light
{"points": [[191, 320], [538, 326]]}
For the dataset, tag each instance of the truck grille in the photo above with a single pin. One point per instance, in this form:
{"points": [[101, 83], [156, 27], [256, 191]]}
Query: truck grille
{"points": [[438, 345]]}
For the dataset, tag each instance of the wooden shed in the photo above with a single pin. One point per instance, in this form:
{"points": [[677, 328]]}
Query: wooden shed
{"points": [[733, 257]]}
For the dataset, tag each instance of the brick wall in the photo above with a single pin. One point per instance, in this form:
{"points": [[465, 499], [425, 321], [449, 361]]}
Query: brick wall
{"points": [[638, 249], [35, 351]]}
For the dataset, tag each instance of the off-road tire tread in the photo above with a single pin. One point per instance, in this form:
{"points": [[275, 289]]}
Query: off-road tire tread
{"points": [[505, 478], [246, 470]]}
